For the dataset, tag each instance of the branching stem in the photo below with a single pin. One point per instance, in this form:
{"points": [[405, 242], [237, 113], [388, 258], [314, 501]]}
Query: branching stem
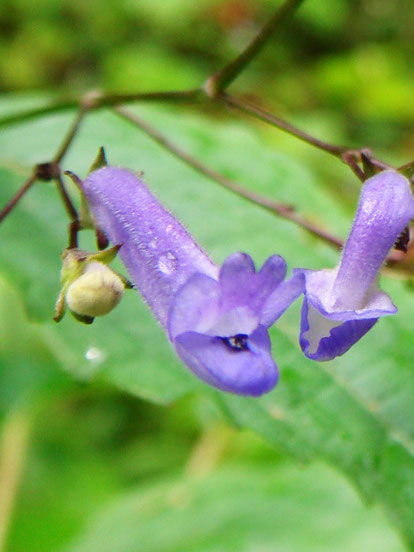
{"points": [[51, 171], [212, 91]]}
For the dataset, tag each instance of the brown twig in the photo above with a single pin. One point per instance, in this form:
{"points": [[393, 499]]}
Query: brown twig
{"points": [[223, 78], [67, 202], [280, 209], [350, 159], [259, 113], [347, 155], [69, 136], [96, 100], [74, 225], [17, 197], [51, 171]]}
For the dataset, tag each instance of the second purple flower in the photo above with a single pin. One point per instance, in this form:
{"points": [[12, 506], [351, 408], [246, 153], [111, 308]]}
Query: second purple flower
{"points": [[343, 304]]}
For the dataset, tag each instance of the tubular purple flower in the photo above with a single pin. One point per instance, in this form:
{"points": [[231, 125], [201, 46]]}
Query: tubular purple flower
{"points": [[217, 319], [342, 304]]}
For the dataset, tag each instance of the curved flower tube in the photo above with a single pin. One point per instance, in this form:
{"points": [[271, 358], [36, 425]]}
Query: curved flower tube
{"points": [[342, 304], [216, 319]]}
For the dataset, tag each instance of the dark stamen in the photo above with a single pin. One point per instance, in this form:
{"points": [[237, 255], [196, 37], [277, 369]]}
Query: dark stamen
{"points": [[402, 242], [237, 342]]}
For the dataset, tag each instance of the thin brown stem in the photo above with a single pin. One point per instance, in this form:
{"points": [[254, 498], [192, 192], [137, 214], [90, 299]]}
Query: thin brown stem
{"points": [[281, 209], [370, 165], [58, 106], [197, 165], [73, 231], [67, 202], [49, 171], [223, 78], [350, 160], [74, 225], [67, 141], [96, 100], [194, 95], [16, 198], [347, 155], [259, 113]]}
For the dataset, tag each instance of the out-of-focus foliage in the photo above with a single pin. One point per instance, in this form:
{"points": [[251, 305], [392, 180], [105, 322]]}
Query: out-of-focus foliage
{"points": [[329, 54], [342, 70], [181, 514]]}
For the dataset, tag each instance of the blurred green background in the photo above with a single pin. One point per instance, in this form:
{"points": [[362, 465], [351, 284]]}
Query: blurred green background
{"points": [[107, 443]]}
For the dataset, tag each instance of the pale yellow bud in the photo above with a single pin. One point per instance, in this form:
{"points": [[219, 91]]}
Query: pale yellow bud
{"points": [[96, 292], [89, 287]]}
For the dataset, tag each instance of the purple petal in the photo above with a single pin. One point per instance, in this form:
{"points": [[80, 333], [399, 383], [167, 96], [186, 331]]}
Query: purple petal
{"points": [[245, 372], [323, 338], [272, 273], [159, 253], [281, 299], [236, 280], [269, 277], [318, 292], [385, 207], [195, 306], [326, 332], [240, 285]]}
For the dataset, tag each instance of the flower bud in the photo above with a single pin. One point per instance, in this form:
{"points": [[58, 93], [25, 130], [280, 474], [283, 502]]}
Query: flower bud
{"points": [[90, 287], [96, 292]]}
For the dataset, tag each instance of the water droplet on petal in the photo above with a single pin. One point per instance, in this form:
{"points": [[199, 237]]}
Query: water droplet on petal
{"points": [[167, 263]]}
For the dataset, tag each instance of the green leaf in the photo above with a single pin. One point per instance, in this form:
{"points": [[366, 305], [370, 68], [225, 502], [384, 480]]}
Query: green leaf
{"points": [[237, 509], [356, 412], [29, 368]]}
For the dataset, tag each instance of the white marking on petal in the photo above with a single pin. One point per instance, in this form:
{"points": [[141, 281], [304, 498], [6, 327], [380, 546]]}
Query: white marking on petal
{"points": [[241, 320], [319, 327]]}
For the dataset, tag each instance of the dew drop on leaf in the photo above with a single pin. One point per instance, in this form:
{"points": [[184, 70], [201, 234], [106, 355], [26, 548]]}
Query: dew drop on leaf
{"points": [[95, 356]]}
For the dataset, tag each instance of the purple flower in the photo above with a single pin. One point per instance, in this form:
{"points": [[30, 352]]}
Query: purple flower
{"points": [[219, 327], [216, 319], [342, 304]]}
